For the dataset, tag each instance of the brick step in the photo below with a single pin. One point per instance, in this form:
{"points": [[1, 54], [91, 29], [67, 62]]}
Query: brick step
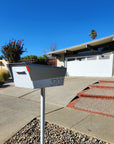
{"points": [[98, 106], [97, 93], [102, 85], [106, 81], [97, 98]]}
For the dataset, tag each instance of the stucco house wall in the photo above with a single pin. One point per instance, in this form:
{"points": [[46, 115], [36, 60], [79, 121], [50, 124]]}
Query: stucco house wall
{"points": [[3, 65], [60, 60]]}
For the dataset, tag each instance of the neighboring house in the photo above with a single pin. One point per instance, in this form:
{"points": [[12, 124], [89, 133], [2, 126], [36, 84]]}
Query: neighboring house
{"points": [[3, 65], [93, 59]]}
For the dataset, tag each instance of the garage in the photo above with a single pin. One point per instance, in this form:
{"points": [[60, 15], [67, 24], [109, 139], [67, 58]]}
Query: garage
{"points": [[91, 59], [90, 66]]}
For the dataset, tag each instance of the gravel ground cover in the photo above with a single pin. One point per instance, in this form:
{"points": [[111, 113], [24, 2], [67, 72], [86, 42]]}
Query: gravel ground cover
{"points": [[54, 134]]}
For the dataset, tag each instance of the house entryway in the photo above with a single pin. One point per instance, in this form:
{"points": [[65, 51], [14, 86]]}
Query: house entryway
{"points": [[98, 98]]}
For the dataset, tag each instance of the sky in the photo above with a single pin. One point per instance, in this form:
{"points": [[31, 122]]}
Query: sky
{"points": [[43, 23]]}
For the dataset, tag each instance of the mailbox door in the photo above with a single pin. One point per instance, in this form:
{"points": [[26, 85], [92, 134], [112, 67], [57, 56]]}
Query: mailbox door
{"points": [[22, 77]]}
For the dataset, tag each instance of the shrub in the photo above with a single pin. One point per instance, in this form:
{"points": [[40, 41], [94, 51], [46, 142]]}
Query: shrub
{"points": [[4, 75]]}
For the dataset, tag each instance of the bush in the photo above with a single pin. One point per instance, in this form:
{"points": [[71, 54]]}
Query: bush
{"points": [[4, 75]]}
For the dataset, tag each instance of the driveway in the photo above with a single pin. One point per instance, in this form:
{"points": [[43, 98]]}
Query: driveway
{"points": [[18, 106], [62, 95]]}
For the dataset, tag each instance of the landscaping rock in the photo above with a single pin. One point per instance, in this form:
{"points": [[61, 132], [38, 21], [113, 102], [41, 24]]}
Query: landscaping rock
{"points": [[54, 134]]}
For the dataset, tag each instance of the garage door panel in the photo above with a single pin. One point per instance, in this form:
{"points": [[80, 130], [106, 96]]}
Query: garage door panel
{"points": [[92, 68]]}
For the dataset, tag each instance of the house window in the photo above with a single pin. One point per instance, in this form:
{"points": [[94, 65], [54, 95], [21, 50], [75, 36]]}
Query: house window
{"points": [[71, 59], [80, 59], [83, 59], [104, 57], [92, 58]]}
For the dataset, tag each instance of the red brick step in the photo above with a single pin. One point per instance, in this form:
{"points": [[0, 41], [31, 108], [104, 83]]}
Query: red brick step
{"points": [[97, 93], [97, 106]]}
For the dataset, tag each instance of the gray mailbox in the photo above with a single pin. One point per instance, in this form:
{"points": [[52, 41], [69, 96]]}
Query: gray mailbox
{"points": [[37, 76]]}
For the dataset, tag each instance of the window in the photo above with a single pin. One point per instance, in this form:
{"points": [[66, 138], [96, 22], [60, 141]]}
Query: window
{"points": [[71, 59], [83, 59], [92, 58], [104, 57], [80, 59]]}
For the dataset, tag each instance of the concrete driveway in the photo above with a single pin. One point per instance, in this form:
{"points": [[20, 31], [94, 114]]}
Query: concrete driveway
{"points": [[62, 95], [18, 106]]}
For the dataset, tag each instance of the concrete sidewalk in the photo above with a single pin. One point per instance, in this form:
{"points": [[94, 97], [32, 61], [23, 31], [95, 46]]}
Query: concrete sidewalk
{"points": [[62, 95], [15, 113], [18, 106], [93, 125]]}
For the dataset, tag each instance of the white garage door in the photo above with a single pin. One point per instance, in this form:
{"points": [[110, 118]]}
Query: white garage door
{"points": [[96, 66]]}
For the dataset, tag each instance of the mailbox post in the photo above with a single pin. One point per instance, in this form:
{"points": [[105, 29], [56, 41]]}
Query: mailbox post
{"points": [[42, 127], [37, 76]]}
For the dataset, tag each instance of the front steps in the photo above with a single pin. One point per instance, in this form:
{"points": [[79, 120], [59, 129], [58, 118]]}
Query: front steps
{"points": [[98, 99], [103, 84]]}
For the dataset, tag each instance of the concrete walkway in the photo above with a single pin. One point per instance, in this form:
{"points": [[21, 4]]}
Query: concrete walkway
{"points": [[18, 106], [90, 124], [17, 112], [62, 95]]}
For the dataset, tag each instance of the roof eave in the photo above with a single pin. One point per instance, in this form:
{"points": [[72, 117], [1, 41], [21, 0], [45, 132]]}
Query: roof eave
{"points": [[85, 45]]}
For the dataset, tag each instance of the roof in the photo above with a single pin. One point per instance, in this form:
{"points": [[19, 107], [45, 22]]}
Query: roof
{"points": [[85, 45]]}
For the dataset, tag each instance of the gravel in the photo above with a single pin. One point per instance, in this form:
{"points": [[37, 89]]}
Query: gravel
{"points": [[54, 134]]}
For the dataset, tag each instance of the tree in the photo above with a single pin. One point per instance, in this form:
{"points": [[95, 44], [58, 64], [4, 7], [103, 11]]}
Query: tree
{"points": [[13, 50], [43, 59], [52, 48], [30, 57], [36, 60], [1, 57], [93, 34]]}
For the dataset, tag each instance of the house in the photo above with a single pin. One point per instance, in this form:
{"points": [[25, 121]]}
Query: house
{"points": [[3, 65], [91, 59]]}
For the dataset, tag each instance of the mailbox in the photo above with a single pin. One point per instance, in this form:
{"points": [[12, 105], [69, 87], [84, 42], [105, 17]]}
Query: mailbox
{"points": [[36, 75]]}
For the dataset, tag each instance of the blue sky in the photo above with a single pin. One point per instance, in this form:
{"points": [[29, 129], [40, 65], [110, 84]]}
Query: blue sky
{"points": [[42, 23]]}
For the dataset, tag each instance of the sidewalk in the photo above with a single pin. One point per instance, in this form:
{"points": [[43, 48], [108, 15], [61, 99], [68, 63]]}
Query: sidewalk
{"points": [[15, 113], [19, 106], [93, 125]]}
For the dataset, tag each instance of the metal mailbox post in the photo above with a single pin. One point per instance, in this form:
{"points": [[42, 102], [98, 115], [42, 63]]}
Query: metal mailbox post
{"points": [[37, 76]]}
